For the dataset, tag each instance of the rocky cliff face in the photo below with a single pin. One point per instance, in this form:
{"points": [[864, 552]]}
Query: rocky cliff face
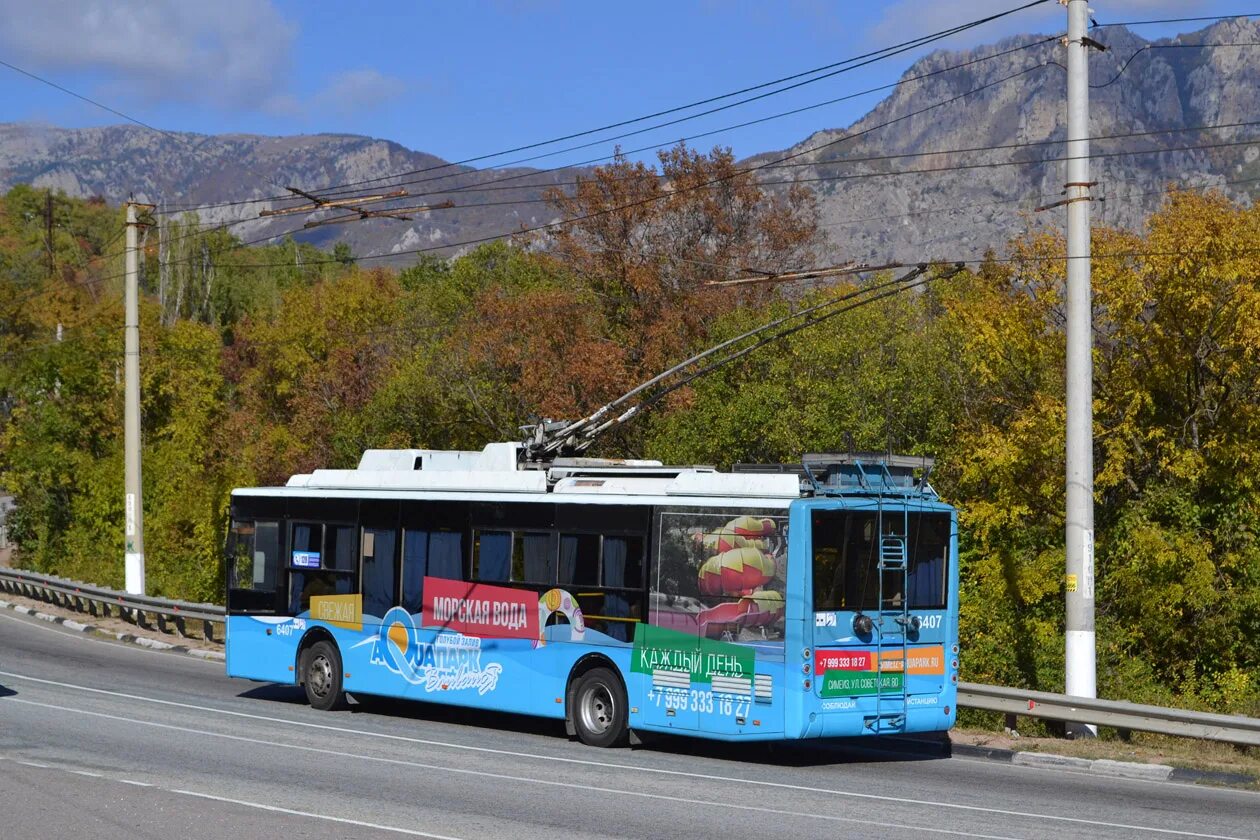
{"points": [[177, 170], [868, 212], [960, 212]]}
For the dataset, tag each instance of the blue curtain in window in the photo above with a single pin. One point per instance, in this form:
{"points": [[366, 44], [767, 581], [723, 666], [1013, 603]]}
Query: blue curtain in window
{"points": [[616, 606], [446, 556], [415, 565], [302, 539], [537, 548], [568, 558], [615, 551], [927, 582], [343, 559], [378, 573], [494, 556], [297, 582]]}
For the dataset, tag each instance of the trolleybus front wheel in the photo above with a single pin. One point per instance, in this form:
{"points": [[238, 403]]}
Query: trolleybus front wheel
{"points": [[599, 709], [321, 676]]}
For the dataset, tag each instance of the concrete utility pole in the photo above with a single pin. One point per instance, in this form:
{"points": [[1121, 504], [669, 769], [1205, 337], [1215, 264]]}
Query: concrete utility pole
{"points": [[48, 230], [134, 508], [1080, 662]]}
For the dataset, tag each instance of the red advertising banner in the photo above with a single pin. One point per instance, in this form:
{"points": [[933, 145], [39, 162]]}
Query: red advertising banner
{"points": [[478, 609], [923, 660], [843, 660]]}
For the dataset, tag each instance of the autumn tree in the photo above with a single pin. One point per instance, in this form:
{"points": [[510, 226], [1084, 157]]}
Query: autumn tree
{"points": [[646, 241]]}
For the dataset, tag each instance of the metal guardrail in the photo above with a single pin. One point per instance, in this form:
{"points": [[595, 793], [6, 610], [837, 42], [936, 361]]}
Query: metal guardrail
{"points": [[1233, 729], [174, 616], [150, 613]]}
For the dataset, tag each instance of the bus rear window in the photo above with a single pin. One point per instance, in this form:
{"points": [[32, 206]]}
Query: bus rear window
{"points": [[846, 546]]}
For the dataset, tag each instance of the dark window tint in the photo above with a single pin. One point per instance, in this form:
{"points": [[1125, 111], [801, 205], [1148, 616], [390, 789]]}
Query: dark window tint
{"points": [[378, 570], [340, 549], [304, 585], [847, 547], [623, 562], [611, 612], [536, 556], [579, 559], [253, 566], [323, 560]]}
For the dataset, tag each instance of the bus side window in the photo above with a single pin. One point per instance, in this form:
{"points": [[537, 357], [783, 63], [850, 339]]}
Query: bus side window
{"points": [[254, 555], [266, 555], [579, 559], [492, 556], [241, 556], [519, 557], [340, 553], [378, 570], [533, 558], [415, 565], [622, 568], [429, 554], [323, 561]]}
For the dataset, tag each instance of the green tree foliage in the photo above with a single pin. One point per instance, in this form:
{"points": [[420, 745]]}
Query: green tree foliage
{"points": [[252, 374], [973, 371]]}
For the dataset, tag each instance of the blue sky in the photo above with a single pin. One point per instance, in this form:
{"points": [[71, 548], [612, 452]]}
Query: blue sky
{"points": [[459, 79]]}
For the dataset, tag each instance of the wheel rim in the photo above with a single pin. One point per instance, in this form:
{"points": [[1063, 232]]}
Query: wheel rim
{"points": [[596, 709], [319, 676]]}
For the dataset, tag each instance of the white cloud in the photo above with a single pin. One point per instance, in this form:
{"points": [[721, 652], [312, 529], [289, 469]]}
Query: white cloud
{"points": [[229, 54], [233, 53], [357, 91], [904, 19]]}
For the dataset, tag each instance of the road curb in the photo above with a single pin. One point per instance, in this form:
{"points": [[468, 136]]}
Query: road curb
{"points": [[127, 638], [1060, 762], [1104, 766]]}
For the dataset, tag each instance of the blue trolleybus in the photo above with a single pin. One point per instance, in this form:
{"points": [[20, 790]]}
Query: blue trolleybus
{"points": [[771, 602]]}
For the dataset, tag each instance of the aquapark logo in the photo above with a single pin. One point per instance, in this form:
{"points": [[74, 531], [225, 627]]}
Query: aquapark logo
{"points": [[452, 662]]}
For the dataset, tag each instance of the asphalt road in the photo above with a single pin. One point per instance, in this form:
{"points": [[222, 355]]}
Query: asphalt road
{"points": [[98, 735]]}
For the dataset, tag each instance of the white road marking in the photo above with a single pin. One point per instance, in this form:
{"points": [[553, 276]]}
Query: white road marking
{"points": [[645, 795], [409, 831], [428, 742], [277, 809], [116, 645]]}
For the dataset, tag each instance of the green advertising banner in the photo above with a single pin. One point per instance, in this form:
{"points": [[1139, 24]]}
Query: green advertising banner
{"points": [[658, 648], [857, 683]]}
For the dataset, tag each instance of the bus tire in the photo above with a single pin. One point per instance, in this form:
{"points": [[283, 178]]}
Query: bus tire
{"points": [[599, 709], [321, 676]]}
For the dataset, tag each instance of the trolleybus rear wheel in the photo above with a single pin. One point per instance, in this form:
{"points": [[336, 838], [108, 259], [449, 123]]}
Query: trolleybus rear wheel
{"points": [[321, 676], [599, 709]]}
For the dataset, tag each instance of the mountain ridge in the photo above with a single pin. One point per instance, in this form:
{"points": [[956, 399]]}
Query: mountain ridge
{"points": [[1007, 92]]}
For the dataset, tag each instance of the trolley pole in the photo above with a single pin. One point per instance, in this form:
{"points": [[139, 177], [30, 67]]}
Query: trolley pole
{"points": [[1080, 661], [134, 508]]}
